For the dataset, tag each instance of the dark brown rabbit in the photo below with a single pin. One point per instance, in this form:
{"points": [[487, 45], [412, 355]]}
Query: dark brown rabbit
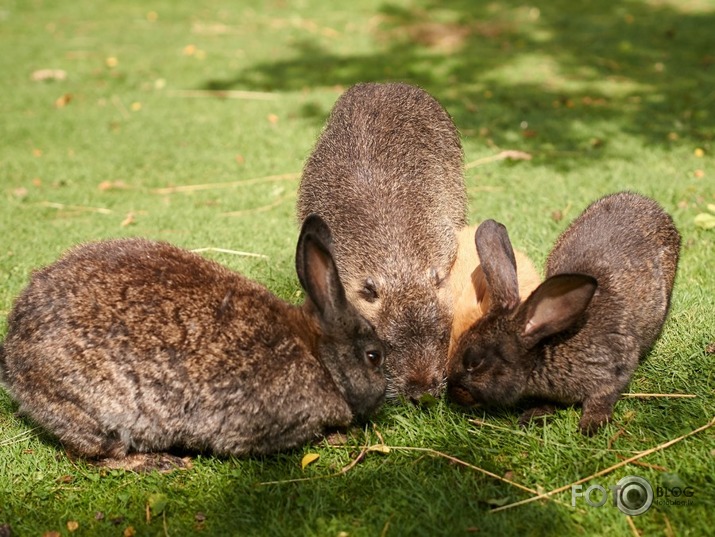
{"points": [[134, 346], [387, 176], [580, 335]]}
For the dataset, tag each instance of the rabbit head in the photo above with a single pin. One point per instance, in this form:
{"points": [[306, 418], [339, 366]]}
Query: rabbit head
{"points": [[496, 356], [348, 346]]}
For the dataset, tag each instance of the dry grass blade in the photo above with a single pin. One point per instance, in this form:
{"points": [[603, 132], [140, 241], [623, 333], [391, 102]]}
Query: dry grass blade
{"points": [[230, 184], [664, 395], [610, 468], [227, 251], [18, 437], [225, 94], [509, 154], [81, 208], [344, 470], [632, 526], [262, 208]]}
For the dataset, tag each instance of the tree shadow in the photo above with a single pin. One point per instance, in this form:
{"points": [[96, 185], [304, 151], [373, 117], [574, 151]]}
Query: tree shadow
{"points": [[567, 77]]}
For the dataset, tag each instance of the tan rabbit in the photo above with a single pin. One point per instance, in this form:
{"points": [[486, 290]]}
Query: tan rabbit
{"points": [[470, 291], [135, 346], [579, 336], [387, 176]]}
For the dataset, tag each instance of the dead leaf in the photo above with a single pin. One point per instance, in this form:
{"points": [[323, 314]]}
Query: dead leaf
{"points": [[63, 100], [705, 221], [557, 216], [72, 525], [111, 62], [129, 531], [240, 160], [699, 174], [20, 193], [273, 118], [379, 448], [66, 479], [99, 515], [37, 182], [41, 75], [129, 220], [51, 534], [699, 152], [36, 152], [337, 439], [189, 50], [111, 185], [136, 106], [308, 458], [710, 348], [509, 475]]}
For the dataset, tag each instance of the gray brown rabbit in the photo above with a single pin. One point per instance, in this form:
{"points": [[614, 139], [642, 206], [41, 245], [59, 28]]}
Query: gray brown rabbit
{"points": [[134, 346], [387, 175], [580, 335]]}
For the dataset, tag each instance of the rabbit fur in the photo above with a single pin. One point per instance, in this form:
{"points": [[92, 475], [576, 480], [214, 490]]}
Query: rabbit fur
{"points": [[470, 293], [579, 336], [387, 175], [130, 345]]}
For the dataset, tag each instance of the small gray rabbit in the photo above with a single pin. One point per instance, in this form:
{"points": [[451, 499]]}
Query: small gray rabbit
{"points": [[387, 175], [136, 346], [580, 335]]}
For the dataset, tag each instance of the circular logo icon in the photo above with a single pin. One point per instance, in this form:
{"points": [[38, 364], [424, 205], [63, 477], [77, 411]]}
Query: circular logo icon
{"points": [[633, 495]]}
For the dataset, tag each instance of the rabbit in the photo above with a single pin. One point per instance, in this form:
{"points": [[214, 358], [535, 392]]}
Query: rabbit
{"points": [[470, 293], [580, 335], [136, 346], [387, 175]]}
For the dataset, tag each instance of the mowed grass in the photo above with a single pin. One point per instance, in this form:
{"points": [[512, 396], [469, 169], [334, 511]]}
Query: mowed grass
{"points": [[604, 96]]}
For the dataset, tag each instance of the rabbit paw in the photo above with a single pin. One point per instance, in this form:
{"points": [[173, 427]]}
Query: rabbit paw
{"points": [[146, 462], [534, 413]]}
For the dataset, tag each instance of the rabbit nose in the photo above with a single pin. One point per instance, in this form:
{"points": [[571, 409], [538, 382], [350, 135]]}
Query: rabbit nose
{"points": [[422, 388]]}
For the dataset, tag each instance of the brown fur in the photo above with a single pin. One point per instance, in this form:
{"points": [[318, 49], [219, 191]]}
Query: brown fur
{"points": [[387, 176], [580, 335], [470, 292], [132, 345]]}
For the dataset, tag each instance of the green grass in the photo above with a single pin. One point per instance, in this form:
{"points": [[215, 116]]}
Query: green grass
{"points": [[605, 95]]}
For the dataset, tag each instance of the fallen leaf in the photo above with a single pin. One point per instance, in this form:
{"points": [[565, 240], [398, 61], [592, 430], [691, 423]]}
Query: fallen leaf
{"points": [[72, 525], [699, 152], [189, 50], [557, 216], [111, 185], [379, 448], [152, 16], [37, 182], [66, 479], [200, 517], [37, 152], [273, 118], [99, 515], [111, 62], [239, 159], [705, 221], [20, 192], [308, 458], [128, 220], [509, 475], [336, 439], [51, 534], [42, 75], [129, 531], [699, 174], [710, 348], [136, 106], [63, 100]]}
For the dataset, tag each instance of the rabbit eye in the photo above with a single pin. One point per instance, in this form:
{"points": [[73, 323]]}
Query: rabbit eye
{"points": [[472, 360], [369, 290], [374, 357]]}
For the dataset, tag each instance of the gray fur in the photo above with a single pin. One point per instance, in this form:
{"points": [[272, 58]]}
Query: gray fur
{"points": [[387, 176], [580, 335], [132, 345]]}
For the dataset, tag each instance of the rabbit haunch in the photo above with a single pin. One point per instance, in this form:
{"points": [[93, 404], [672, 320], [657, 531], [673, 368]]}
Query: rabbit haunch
{"points": [[132, 345], [579, 336], [386, 175]]}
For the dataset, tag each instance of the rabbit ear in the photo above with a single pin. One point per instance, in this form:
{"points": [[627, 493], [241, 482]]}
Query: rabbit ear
{"points": [[316, 268], [556, 305], [498, 263]]}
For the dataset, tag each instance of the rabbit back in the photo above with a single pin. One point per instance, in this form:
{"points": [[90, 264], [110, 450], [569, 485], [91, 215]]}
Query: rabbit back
{"points": [[134, 345], [631, 246]]}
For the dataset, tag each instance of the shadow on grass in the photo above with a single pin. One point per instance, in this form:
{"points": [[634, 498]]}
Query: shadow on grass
{"points": [[564, 77]]}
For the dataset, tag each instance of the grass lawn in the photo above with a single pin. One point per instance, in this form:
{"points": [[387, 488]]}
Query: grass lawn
{"points": [[604, 96]]}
